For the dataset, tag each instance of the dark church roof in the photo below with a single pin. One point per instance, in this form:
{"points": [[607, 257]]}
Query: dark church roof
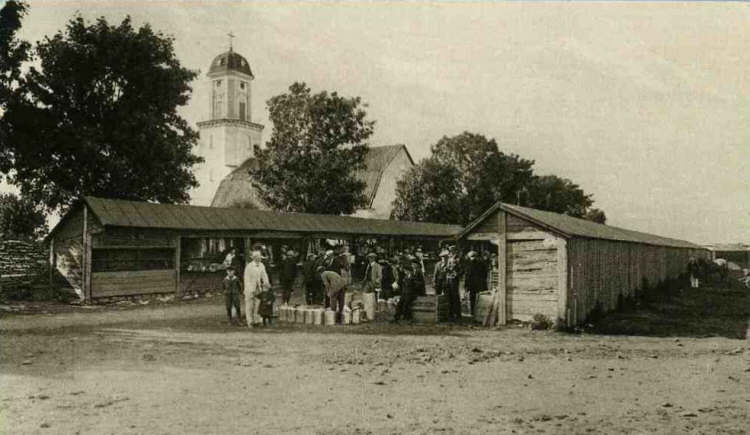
{"points": [[230, 61], [235, 188]]}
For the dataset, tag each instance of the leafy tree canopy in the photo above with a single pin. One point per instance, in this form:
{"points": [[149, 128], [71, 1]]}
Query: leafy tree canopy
{"points": [[100, 117], [13, 53], [466, 174], [318, 143], [20, 218]]}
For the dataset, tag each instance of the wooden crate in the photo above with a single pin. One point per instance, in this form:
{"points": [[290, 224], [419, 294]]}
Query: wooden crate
{"points": [[430, 309]]}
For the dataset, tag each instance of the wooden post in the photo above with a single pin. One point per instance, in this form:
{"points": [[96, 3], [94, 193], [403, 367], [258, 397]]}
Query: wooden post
{"points": [[562, 281], [177, 255], [52, 265], [84, 257], [502, 268]]}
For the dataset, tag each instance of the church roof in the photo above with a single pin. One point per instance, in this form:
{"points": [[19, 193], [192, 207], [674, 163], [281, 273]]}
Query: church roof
{"points": [[230, 61], [235, 188], [376, 162]]}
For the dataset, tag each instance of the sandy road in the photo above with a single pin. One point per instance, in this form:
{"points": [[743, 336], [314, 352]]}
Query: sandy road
{"points": [[180, 369]]}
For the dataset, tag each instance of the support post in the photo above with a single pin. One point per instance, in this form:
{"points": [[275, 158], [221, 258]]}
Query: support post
{"points": [[502, 268], [177, 256], [52, 265], [86, 254], [562, 282]]}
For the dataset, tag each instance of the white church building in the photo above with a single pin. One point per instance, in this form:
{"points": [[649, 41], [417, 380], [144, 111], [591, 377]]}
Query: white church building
{"points": [[229, 137], [229, 140]]}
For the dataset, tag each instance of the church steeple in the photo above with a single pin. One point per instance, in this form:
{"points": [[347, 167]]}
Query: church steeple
{"points": [[228, 137]]}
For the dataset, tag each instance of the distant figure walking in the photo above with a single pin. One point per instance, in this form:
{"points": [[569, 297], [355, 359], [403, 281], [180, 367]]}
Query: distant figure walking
{"points": [[694, 270]]}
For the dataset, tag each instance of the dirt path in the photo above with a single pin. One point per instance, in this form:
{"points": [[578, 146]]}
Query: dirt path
{"points": [[181, 369]]}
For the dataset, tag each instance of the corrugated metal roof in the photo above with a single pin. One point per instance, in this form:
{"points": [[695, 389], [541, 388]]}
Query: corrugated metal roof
{"points": [[116, 212], [576, 227]]}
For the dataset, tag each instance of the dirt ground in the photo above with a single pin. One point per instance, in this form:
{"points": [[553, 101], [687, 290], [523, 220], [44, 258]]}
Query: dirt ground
{"points": [[179, 368]]}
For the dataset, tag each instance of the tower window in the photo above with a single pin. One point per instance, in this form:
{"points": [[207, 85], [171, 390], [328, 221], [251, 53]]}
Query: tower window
{"points": [[218, 83], [256, 149], [242, 85], [242, 111]]}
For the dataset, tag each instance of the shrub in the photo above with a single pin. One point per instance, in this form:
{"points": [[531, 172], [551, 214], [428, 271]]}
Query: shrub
{"points": [[540, 322]]}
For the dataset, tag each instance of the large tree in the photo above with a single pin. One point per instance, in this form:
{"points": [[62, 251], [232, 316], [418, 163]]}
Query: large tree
{"points": [[13, 53], [318, 143], [20, 218], [466, 174], [482, 175], [100, 117]]}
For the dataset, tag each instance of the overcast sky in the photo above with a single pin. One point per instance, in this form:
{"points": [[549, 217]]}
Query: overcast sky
{"points": [[645, 105]]}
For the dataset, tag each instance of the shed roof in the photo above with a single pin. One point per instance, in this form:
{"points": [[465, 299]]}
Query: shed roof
{"points": [[569, 226], [122, 213]]}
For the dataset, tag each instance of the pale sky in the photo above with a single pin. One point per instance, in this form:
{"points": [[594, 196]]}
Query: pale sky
{"points": [[645, 105]]}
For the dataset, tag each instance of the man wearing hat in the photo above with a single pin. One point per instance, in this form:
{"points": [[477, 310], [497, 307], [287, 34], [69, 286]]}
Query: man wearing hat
{"points": [[419, 283], [408, 291], [311, 279], [476, 278], [288, 274], [232, 291], [438, 277], [256, 281], [389, 278], [373, 274]]}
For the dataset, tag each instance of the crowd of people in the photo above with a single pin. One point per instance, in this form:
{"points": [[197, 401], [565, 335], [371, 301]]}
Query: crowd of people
{"points": [[328, 274]]}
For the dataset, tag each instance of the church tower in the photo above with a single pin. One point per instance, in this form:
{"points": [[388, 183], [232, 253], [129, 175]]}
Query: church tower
{"points": [[229, 137]]}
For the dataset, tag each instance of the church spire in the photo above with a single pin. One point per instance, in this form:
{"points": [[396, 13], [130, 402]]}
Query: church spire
{"points": [[231, 37]]}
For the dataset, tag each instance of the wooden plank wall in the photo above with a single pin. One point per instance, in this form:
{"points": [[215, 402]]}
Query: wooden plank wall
{"points": [[67, 248], [532, 270], [106, 284], [603, 270]]}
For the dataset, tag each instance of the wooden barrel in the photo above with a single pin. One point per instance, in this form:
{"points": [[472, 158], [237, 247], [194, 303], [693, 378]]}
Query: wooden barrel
{"points": [[368, 300], [309, 316], [346, 317], [330, 317], [318, 316], [356, 316]]}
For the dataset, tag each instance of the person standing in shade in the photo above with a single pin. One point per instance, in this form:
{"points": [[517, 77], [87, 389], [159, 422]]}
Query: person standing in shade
{"points": [[389, 277], [232, 293], [476, 278], [288, 275], [451, 290], [373, 274], [310, 279], [256, 281], [409, 292], [438, 278], [420, 286], [694, 270]]}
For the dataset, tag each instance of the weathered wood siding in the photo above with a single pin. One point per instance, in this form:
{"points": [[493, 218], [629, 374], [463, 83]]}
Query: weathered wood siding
{"points": [[601, 271], [67, 250], [134, 237], [532, 270], [106, 284]]}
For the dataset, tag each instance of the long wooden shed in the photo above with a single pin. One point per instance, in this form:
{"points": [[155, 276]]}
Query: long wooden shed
{"points": [[110, 247], [562, 267]]}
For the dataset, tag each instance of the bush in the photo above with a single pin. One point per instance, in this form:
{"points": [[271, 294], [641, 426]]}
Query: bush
{"points": [[540, 322]]}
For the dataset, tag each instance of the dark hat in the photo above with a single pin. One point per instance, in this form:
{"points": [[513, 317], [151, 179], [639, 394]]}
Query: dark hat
{"points": [[372, 255], [230, 267]]}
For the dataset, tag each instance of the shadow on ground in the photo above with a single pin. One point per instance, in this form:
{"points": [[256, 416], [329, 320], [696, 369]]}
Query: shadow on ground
{"points": [[702, 312]]}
